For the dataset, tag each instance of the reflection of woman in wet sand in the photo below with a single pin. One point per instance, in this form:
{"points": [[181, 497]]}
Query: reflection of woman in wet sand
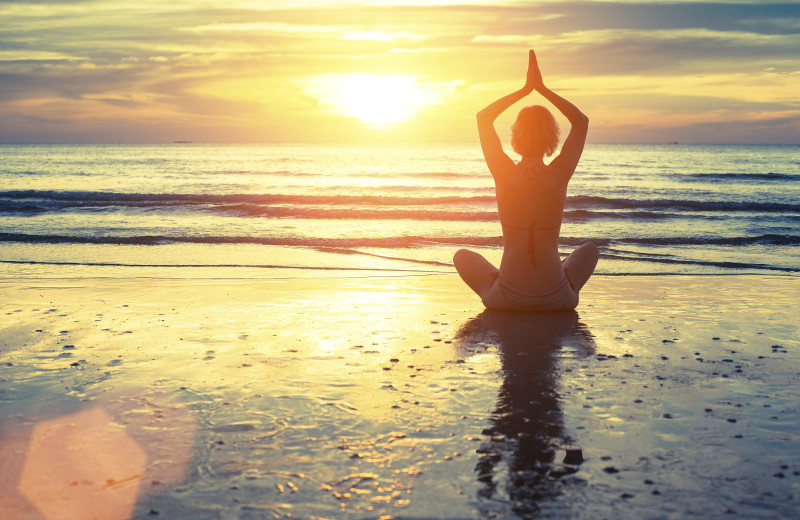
{"points": [[530, 201], [521, 451]]}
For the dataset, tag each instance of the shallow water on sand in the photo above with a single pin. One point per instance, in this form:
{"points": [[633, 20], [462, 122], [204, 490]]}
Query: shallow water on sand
{"points": [[365, 397]]}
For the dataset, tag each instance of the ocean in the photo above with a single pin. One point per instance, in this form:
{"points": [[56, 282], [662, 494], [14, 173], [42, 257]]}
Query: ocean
{"points": [[226, 210]]}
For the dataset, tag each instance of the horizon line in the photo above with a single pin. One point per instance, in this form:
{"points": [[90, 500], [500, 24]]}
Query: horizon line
{"points": [[377, 143]]}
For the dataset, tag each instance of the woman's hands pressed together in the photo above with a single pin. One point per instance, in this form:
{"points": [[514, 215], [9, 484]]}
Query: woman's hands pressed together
{"points": [[534, 78]]}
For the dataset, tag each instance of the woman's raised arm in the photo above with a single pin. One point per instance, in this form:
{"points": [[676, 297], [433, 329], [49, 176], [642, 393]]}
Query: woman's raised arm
{"points": [[496, 158], [572, 149]]}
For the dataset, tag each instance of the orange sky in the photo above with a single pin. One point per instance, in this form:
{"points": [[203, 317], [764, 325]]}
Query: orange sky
{"points": [[280, 70]]}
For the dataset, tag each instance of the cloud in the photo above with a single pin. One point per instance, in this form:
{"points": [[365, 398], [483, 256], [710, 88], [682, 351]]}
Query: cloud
{"points": [[236, 64], [264, 27], [381, 36]]}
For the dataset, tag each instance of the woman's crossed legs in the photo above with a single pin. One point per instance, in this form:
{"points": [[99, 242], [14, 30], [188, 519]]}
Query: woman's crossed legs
{"points": [[481, 276]]}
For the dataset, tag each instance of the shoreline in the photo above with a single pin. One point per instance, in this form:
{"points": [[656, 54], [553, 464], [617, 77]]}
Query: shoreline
{"points": [[39, 270], [669, 396]]}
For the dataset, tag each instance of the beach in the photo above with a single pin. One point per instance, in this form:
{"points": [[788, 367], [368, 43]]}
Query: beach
{"points": [[380, 395]]}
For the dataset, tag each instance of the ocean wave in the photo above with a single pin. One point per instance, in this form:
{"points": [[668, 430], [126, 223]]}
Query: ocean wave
{"points": [[594, 202], [228, 266], [722, 264], [37, 201], [461, 213], [400, 241], [315, 242], [50, 200], [733, 176], [324, 213], [583, 215]]}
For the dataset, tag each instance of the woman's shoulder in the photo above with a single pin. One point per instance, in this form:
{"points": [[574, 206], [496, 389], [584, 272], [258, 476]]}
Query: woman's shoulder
{"points": [[533, 175]]}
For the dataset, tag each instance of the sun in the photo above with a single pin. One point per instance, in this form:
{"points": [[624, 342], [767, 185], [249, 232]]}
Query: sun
{"points": [[378, 101]]}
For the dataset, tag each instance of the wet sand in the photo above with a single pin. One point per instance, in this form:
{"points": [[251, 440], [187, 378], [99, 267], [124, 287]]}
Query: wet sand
{"points": [[379, 396]]}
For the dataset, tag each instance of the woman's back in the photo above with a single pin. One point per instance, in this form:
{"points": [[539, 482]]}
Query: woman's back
{"points": [[530, 202]]}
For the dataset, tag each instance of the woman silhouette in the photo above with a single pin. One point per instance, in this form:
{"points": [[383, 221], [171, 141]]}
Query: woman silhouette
{"points": [[530, 202]]}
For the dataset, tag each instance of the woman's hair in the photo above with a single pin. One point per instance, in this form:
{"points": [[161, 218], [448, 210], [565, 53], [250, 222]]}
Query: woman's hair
{"points": [[535, 132]]}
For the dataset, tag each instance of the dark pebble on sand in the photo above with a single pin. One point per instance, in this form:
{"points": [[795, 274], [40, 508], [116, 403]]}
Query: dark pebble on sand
{"points": [[731, 420], [779, 475], [667, 341], [667, 416], [637, 401], [649, 482], [664, 358], [68, 347], [394, 360], [610, 470], [574, 456]]}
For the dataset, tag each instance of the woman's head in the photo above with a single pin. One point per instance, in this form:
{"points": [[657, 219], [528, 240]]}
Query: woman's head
{"points": [[535, 132]]}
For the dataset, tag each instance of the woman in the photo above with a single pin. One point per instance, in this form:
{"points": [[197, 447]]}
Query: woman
{"points": [[530, 202]]}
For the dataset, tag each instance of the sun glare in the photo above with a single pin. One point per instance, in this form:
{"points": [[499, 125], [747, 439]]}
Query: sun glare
{"points": [[378, 101]]}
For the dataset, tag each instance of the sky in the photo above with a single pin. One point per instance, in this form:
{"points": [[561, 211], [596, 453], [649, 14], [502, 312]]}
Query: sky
{"points": [[392, 70]]}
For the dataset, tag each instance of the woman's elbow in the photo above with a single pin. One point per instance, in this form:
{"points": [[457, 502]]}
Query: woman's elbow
{"points": [[485, 116], [581, 121]]}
